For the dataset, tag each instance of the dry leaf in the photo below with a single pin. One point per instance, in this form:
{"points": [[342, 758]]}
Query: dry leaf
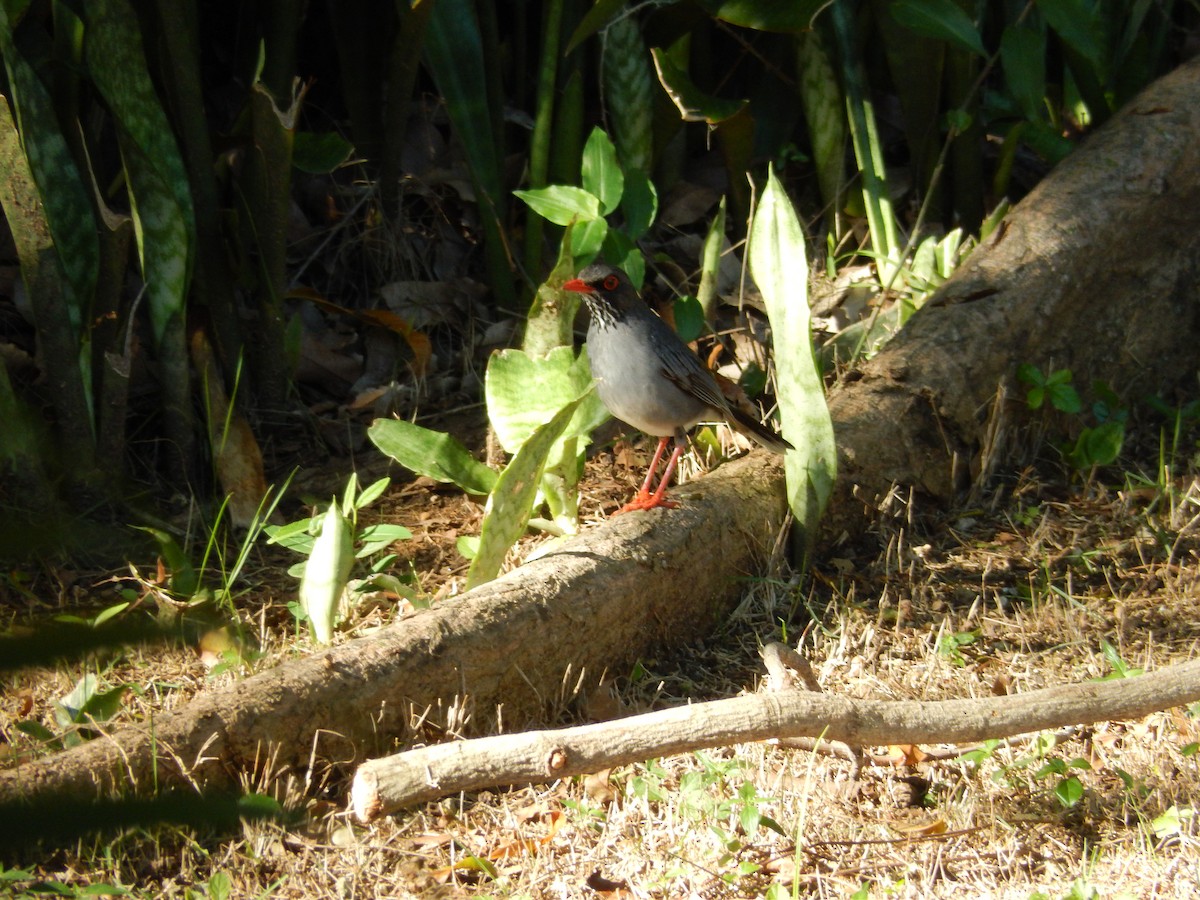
{"points": [[919, 829]]}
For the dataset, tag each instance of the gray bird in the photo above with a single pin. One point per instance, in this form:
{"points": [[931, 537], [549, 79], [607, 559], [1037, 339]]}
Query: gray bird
{"points": [[646, 376]]}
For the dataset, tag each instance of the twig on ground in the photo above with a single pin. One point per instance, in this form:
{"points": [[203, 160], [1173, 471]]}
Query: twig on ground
{"points": [[384, 785]]}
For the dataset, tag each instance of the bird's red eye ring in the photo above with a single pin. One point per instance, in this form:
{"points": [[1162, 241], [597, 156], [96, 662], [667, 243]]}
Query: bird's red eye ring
{"points": [[610, 282]]}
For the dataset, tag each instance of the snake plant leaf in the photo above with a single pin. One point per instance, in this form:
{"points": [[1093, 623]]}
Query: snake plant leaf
{"points": [[694, 105], [326, 573], [780, 269], [510, 504], [158, 185], [61, 186], [434, 454]]}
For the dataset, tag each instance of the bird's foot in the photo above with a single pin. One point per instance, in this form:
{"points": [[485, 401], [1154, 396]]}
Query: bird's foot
{"points": [[645, 500]]}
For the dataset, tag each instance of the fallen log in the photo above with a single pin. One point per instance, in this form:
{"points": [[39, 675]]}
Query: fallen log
{"points": [[513, 649], [383, 786]]}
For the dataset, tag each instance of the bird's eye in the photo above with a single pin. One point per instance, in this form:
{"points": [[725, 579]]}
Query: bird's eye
{"points": [[611, 282]]}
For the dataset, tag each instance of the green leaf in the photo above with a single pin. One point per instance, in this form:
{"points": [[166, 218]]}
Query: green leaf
{"points": [[1079, 24], [1100, 446], [780, 269], [1023, 55], [639, 204], [625, 255], [326, 573], [597, 18], [294, 535], [694, 105], [1069, 791], [943, 20], [602, 176], [511, 503], [73, 703], [371, 493], [103, 705], [587, 237], [1063, 397], [562, 204], [319, 154], [432, 453], [524, 392], [689, 318], [767, 15]]}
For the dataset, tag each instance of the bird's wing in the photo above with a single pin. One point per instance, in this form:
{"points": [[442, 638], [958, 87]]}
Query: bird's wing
{"points": [[686, 372]]}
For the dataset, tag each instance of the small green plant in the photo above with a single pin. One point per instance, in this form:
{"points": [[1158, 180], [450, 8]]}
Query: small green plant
{"points": [[950, 646], [77, 713], [1120, 668], [1054, 388], [606, 191], [328, 542], [1096, 445]]}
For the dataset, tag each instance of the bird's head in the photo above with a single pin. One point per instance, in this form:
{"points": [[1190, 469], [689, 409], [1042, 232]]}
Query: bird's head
{"points": [[607, 290]]}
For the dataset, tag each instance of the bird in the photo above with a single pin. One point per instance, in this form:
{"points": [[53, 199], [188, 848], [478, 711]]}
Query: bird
{"points": [[648, 377]]}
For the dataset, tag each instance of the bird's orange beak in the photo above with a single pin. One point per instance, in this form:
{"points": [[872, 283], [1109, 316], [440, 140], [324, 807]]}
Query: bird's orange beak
{"points": [[579, 287]]}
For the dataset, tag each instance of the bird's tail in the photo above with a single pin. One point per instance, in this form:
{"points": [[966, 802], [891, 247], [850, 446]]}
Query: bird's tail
{"points": [[748, 424]]}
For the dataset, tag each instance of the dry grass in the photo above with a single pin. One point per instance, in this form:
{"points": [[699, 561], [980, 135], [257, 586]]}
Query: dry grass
{"points": [[970, 605]]}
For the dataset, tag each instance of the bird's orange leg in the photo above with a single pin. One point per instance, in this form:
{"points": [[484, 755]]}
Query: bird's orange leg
{"points": [[643, 499]]}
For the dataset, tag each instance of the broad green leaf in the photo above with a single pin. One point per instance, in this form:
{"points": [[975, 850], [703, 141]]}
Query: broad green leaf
{"points": [[623, 253], [511, 503], [74, 702], [689, 318], [1023, 55], [434, 454], [639, 204], [767, 15], [627, 79], [780, 269], [601, 173], [562, 204], [551, 321], [524, 392], [694, 105], [943, 20], [1079, 24], [320, 154], [103, 705], [587, 237]]}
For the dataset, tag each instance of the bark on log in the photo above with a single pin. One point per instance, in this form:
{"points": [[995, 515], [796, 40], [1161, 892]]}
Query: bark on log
{"points": [[596, 603], [1096, 270], [383, 786]]}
